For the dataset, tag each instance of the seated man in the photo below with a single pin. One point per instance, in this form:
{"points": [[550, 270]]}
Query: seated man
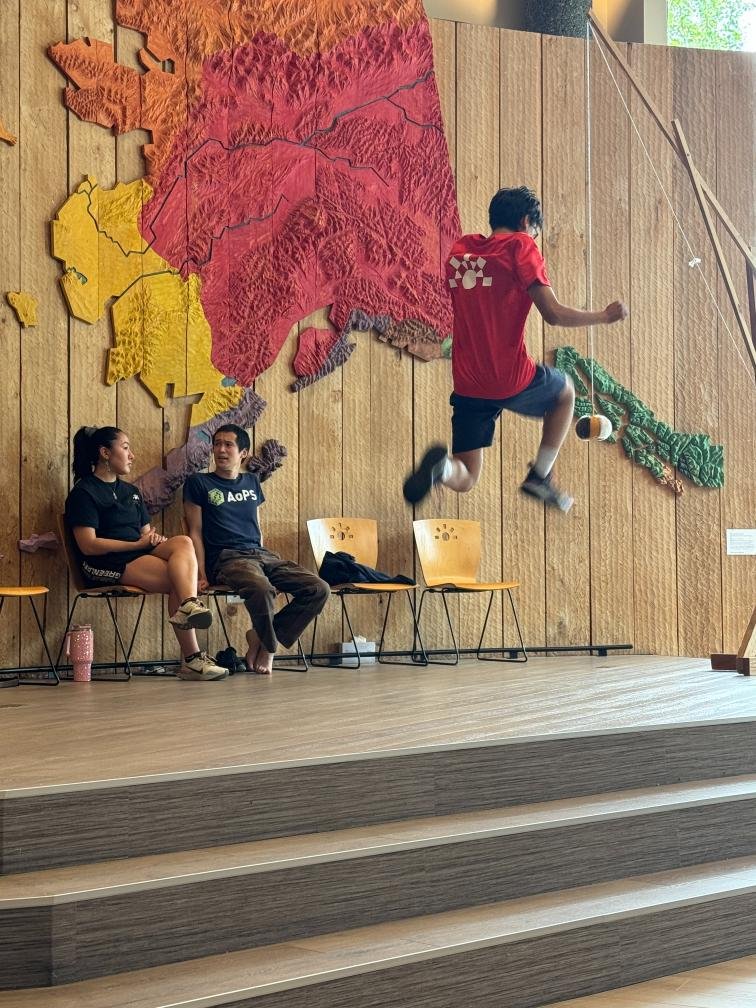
{"points": [[221, 514]]}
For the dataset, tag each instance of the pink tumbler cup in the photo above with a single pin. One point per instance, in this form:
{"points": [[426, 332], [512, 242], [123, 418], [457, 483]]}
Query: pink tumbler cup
{"points": [[80, 649]]}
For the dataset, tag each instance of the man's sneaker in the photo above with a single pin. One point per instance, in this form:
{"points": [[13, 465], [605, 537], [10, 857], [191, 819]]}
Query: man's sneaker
{"points": [[201, 668], [542, 488], [191, 615], [429, 472]]}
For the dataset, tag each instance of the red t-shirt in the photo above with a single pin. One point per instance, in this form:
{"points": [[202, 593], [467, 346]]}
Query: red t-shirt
{"points": [[489, 280]]}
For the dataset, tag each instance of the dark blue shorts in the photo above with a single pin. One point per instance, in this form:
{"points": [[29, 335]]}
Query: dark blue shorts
{"points": [[474, 420]]}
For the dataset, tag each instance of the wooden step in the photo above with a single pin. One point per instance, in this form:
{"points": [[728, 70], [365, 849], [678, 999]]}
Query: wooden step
{"points": [[113, 916], [95, 820], [511, 953], [729, 984]]}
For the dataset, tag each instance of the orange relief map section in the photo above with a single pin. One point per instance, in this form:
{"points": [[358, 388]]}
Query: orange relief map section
{"points": [[298, 160]]}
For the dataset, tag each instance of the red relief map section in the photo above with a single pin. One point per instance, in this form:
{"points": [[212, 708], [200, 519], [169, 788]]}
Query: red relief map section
{"points": [[298, 161]]}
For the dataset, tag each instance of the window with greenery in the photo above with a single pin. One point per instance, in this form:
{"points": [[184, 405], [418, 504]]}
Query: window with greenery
{"points": [[708, 24]]}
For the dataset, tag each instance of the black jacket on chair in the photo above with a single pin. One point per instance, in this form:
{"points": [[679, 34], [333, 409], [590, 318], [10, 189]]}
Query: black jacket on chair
{"points": [[342, 568]]}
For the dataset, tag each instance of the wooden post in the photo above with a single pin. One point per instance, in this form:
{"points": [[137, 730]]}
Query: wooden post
{"points": [[607, 40], [712, 231], [740, 662], [752, 305], [703, 194]]}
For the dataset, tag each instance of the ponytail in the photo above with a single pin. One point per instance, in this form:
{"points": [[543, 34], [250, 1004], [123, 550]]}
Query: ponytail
{"points": [[86, 448]]}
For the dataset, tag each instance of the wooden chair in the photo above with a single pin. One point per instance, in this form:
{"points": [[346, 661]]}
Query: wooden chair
{"points": [[108, 593], [11, 678], [449, 553], [359, 537]]}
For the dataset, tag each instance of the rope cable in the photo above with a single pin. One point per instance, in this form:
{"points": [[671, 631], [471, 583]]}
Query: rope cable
{"points": [[588, 198], [695, 261]]}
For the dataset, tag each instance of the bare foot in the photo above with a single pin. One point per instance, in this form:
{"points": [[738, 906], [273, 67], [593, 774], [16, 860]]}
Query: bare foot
{"points": [[257, 658], [263, 664], [253, 646]]}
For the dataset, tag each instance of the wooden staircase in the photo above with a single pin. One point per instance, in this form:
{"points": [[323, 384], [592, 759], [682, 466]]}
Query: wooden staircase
{"points": [[402, 879]]}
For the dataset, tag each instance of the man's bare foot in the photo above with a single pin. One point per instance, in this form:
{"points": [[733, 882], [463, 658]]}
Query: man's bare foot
{"points": [[253, 646], [257, 658], [263, 664]]}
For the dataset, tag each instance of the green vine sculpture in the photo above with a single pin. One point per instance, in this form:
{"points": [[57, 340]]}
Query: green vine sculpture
{"points": [[646, 441]]}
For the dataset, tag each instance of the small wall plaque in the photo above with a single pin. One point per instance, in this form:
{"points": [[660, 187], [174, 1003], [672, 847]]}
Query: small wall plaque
{"points": [[741, 542]]}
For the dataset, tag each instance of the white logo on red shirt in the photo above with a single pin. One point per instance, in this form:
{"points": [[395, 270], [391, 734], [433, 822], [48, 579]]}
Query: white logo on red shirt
{"points": [[469, 271]]}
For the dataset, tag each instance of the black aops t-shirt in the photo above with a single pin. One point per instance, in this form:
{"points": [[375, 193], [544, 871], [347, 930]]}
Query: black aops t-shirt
{"points": [[115, 511], [229, 512]]}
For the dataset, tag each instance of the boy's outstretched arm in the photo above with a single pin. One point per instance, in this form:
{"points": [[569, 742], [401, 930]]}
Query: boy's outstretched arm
{"points": [[557, 314]]}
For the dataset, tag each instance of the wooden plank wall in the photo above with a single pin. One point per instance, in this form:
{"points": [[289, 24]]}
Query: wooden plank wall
{"points": [[523, 540], [136, 411], [432, 381], [610, 477], [45, 349], [478, 176], [631, 563], [91, 400], [696, 348], [10, 329], [651, 255], [735, 77]]}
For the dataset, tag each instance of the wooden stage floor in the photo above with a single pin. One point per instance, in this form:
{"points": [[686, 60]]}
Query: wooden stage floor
{"points": [[53, 739]]}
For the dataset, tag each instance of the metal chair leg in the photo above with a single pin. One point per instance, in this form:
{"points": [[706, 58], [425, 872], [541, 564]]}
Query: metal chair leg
{"points": [[455, 649], [517, 624], [124, 652], [65, 632], [300, 655], [7, 679], [55, 680], [482, 657], [325, 663], [451, 631], [312, 640], [316, 662], [357, 663], [222, 621], [383, 633], [416, 636], [345, 613], [136, 625]]}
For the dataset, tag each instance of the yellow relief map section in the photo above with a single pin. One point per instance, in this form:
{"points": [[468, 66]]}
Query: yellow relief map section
{"points": [[161, 332], [25, 307]]}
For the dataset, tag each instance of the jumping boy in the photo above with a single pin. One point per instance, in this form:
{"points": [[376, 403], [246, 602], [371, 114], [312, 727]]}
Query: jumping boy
{"points": [[494, 281]]}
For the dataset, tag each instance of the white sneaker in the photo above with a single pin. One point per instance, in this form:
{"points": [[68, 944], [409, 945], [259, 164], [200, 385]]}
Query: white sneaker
{"points": [[201, 668], [191, 615]]}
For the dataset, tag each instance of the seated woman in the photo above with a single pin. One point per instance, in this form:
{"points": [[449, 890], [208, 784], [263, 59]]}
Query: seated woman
{"points": [[116, 544]]}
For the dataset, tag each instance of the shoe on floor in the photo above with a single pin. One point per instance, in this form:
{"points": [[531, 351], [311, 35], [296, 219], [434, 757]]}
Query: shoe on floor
{"points": [[191, 615], [201, 668], [419, 484], [543, 489], [228, 658]]}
